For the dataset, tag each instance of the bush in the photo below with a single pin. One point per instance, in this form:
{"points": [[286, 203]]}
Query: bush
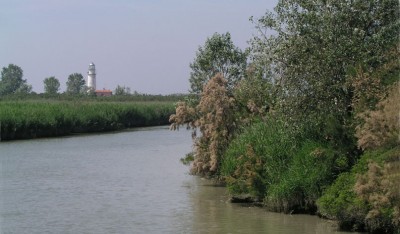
{"points": [[380, 128], [309, 172], [368, 197], [288, 170], [214, 117], [257, 158]]}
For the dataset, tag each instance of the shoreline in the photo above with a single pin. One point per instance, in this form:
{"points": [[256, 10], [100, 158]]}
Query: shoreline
{"points": [[74, 134]]}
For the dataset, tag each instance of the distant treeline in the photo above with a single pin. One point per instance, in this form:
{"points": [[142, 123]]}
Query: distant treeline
{"points": [[41, 117]]}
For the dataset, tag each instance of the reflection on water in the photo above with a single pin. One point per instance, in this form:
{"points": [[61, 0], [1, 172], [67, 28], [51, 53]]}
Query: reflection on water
{"points": [[127, 182]]}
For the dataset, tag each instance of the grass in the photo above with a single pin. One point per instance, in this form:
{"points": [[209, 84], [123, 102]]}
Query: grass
{"points": [[26, 119]]}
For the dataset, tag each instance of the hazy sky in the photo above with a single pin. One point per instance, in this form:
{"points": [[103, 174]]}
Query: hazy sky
{"points": [[146, 45]]}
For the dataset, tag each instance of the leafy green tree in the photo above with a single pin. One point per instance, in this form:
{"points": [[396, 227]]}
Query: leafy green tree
{"points": [[11, 79], [309, 56], [310, 60], [122, 90], [24, 89], [75, 84], [254, 97], [218, 66], [51, 85], [218, 55]]}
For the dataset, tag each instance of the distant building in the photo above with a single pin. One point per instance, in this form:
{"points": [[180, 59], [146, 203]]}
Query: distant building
{"points": [[104, 93], [91, 82]]}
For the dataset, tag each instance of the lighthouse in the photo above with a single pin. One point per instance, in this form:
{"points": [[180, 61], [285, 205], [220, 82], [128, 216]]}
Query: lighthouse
{"points": [[91, 81]]}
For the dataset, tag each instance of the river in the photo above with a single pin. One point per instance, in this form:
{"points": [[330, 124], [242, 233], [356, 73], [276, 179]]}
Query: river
{"points": [[124, 182]]}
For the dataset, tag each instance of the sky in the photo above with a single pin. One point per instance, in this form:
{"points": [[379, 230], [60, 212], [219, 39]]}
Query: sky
{"points": [[146, 45]]}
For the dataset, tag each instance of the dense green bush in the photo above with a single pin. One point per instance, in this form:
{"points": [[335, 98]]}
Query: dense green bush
{"points": [[257, 158], [311, 169], [367, 197], [287, 170], [31, 119]]}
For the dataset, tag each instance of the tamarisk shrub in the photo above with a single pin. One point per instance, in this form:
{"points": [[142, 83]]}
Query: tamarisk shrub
{"points": [[214, 117]]}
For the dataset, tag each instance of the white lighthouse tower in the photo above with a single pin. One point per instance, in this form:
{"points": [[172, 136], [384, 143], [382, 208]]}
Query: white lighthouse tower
{"points": [[91, 81]]}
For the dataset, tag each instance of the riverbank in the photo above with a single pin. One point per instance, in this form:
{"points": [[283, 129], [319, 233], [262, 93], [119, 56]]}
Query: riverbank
{"points": [[26, 119]]}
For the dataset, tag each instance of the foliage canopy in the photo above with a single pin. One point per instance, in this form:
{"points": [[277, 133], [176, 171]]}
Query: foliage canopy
{"points": [[218, 55], [51, 85], [11, 80], [75, 84]]}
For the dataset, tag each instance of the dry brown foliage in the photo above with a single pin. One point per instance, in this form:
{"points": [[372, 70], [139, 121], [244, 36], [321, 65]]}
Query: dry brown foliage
{"points": [[184, 114], [367, 89], [369, 84], [380, 187], [214, 117], [381, 127], [248, 174], [216, 123]]}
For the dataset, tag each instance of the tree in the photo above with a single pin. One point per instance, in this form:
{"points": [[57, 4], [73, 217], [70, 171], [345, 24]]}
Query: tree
{"points": [[51, 85], [122, 90], [315, 45], [11, 79], [218, 68], [218, 55], [24, 89], [75, 84], [214, 116], [254, 97]]}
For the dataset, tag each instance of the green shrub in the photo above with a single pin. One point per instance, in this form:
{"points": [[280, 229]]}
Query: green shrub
{"points": [[289, 171], [368, 197], [257, 158], [308, 174]]}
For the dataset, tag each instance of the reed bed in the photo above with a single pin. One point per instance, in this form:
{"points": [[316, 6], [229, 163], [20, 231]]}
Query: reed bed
{"points": [[32, 119]]}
